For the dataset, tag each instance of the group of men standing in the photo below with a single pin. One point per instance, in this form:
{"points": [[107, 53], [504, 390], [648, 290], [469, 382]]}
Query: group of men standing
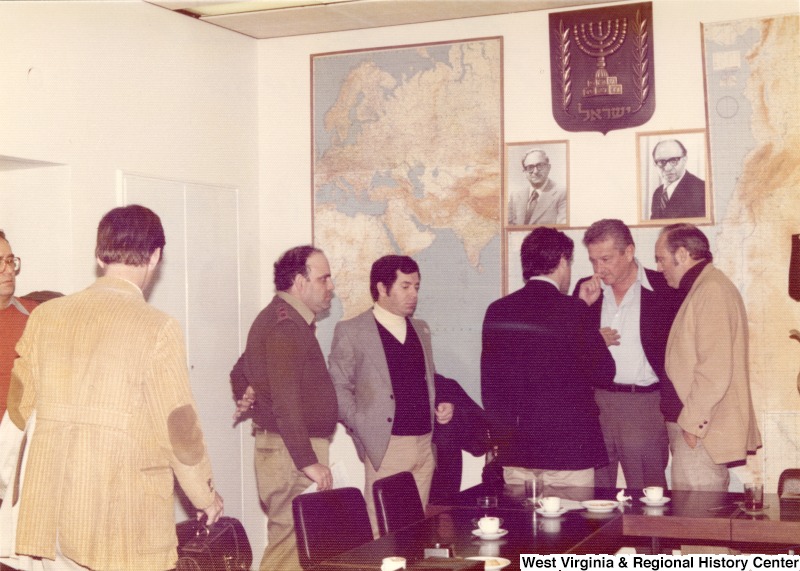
{"points": [[664, 354], [379, 382], [634, 363]]}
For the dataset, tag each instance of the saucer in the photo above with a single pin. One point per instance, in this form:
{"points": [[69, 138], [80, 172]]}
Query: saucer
{"points": [[501, 562], [663, 501], [489, 536], [600, 506], [561, 511]]}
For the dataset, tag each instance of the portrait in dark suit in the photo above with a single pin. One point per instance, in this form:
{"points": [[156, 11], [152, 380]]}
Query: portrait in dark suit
{"points": [[671, 178]]}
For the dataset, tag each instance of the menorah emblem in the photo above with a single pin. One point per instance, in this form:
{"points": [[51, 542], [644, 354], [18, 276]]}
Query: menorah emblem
{"points": [[600, 42]]}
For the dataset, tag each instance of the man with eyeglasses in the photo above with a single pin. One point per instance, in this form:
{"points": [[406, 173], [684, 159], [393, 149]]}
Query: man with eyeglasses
{"points": [[543, 201], [14, 313], [681, 194]]}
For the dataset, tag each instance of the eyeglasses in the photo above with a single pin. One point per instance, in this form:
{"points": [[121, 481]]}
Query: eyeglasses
{"points": [[672, 161], [12, 261], [537, 166]]}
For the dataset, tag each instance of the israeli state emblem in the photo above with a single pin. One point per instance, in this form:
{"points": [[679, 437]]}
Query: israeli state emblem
{"points": [[601, 63]]}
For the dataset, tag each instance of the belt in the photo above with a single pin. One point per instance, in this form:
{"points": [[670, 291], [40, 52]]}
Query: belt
{"points": [[618, 388]]}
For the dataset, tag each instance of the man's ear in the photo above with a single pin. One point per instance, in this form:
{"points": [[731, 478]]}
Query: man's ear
{"points": [[682, 255], [155, 257]]}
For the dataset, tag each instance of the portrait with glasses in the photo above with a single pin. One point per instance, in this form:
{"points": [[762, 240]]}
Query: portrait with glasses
{"points": [[536, 189], [673, 177]]}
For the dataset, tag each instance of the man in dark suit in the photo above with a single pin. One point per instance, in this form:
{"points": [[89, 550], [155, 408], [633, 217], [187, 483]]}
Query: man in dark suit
{"points": [[681, 194], [541, 356], [632, 307]]}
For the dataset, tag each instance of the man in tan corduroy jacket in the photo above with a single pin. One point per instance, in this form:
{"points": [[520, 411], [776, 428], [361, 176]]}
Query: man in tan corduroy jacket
{"points": [[116, 422]]}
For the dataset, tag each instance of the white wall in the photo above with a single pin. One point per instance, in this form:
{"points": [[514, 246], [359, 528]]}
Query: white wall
{"points": [[603, 167], [103, 87]]}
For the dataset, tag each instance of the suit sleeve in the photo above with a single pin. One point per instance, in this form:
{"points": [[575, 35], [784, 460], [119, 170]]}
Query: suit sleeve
{"points": [[342, 367], [716, 318], [281, 370], [561, 217], [598, 364], [22, 392], [498, 383], [173, 414]]}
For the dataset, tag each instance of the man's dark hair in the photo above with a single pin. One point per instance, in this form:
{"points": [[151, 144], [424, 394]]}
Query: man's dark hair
{"points": [[384, 271], [542, 251], [3, 235], [607, 228], [129, 235], [291, 263], [690, 237]]}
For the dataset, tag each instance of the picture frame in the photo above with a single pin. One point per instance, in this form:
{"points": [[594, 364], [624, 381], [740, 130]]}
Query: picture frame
{"points": [[689, 200], [551, 206]]}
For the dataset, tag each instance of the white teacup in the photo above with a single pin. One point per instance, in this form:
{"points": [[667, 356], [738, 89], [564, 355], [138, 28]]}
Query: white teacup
{"points": [[550, 504], [654, 493], [489, 524]]}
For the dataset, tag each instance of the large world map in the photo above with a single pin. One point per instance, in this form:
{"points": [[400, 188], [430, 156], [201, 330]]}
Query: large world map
{"points": [[407, 160]]}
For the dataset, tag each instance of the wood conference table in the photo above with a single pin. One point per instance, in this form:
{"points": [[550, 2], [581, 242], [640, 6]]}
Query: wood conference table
{"points": [[716, 516], [687, 516], [576, 531]]}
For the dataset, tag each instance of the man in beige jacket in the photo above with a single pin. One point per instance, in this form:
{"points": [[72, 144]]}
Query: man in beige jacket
{"points": [[710, 417], [106, 375]]}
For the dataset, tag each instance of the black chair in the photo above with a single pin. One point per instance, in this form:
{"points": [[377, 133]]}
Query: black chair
{"points": [[329, 523], [397, 502], [789, 481]]}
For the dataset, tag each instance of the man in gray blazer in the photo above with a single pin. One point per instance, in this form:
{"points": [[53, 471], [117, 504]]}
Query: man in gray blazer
{"points": [[381, 363], [543, 201]]}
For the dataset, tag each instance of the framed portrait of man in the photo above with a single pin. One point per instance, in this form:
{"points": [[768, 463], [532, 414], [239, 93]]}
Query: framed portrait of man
{"points": [[536, 189], [673, 177]]}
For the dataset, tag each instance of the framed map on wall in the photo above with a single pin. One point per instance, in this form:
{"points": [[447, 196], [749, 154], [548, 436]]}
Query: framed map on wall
{"points": [[407, 150]]}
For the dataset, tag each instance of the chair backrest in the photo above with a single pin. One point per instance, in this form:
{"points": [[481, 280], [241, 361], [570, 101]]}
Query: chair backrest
{"points": [[789, 481], [397, 502], [329, 523]]}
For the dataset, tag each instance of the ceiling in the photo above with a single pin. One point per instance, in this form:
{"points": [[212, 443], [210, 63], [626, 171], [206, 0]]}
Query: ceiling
{"points": [[280, 18]]}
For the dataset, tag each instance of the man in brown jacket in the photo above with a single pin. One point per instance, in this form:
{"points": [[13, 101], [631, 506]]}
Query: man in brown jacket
{"points": [[292, 394], [711, 421], [106, 375]]}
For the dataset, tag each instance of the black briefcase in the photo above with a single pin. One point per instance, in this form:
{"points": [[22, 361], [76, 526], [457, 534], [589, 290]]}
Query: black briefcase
{"points": [[221, 547]]}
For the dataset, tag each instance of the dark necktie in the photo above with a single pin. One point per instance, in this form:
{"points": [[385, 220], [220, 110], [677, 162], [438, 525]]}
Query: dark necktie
{"points": [[663, 200], [531, 206]]}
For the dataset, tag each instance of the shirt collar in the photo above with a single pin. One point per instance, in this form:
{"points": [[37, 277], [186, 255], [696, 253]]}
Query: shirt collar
{"points": [[545, 279], [688, 279], [384, 316], [298, 305], [670, 188], [16, 303]]}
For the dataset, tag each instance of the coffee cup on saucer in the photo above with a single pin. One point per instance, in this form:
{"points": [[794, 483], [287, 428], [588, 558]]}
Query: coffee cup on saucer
{"points": [[489, 524], [550, 504], [654, 493]]}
